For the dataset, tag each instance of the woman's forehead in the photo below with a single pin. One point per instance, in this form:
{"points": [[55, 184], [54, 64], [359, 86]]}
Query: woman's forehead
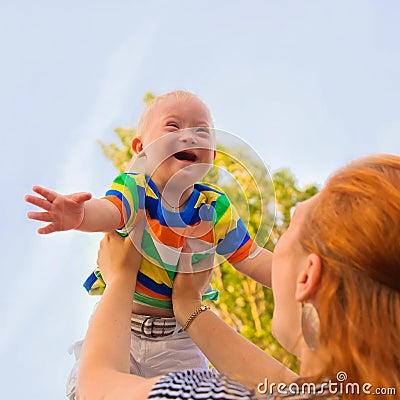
{"points": [[302, 208]]}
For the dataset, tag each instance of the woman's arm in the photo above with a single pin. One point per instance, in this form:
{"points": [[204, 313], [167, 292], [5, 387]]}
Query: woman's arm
{"points": [[229, 352], [104, 367], [257, 267]]}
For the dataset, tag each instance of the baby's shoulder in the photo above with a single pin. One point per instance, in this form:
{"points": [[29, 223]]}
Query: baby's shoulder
{"points": [[210, 193], [138, 177], [126, 177], [134, 181]]}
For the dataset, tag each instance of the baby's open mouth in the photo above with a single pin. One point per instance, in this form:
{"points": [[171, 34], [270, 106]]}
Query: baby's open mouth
{"points": [[185, 156]]}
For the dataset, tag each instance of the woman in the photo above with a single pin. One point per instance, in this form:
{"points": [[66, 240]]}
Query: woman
{"points": [[336, 286]]}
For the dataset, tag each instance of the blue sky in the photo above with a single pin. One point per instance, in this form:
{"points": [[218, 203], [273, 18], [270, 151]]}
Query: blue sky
{"points": [[309, 84]]}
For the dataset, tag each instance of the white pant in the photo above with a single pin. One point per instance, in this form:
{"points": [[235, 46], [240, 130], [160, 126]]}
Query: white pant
{"points": [[152, 356]]}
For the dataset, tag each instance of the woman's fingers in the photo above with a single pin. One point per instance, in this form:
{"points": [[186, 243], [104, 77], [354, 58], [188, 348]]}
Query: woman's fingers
{"points": [[107, 236], [114, 235], [203, 279], [117, 255], [136, 235], [186, 247], [185, 263], [185, 259], [205, 263]]}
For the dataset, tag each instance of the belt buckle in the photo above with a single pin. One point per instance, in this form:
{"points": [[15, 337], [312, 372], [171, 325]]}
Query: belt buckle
{"points": [[151, 334]]}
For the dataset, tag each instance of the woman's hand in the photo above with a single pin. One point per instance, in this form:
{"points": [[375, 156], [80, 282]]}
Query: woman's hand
{"points": [[117, 256], [189, 286]]}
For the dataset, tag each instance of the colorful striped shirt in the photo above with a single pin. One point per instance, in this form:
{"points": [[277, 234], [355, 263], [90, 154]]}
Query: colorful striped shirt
{"points": [[208, 221]]}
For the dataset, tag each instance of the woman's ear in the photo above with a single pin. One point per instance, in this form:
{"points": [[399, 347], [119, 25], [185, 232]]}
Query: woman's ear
{"points": [[309, 279], [137, 144]]}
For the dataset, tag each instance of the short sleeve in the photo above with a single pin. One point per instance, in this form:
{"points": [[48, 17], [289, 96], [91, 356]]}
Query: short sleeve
{"points": [[199, 384], [127, 193], [231, 237]]}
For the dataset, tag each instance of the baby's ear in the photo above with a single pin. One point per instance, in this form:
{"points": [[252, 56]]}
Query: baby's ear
{"points": [[137, 145]]}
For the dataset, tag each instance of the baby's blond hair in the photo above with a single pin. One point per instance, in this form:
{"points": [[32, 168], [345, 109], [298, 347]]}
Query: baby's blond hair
{"points": [[179, 95]]}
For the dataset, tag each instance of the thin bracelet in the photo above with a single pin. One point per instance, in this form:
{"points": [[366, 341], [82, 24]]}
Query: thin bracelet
{"points": [[194, 315]]}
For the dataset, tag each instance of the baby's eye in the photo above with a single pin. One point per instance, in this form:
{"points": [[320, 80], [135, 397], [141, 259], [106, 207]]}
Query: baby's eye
{"points": [[173, 124], [203, 130]]}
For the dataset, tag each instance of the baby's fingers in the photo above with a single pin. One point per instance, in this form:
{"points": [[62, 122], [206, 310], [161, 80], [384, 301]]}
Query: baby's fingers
{"points": [[39, 202], [46, 193], [50, 228], [39, 216], [81, 197]]}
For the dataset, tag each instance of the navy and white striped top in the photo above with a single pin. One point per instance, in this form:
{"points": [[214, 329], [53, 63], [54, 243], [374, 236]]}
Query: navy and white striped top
{"points": [[210, 385], [199, 384]]}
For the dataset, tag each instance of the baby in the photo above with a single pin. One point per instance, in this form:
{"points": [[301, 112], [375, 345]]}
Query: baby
{"points": [[175, 147]]}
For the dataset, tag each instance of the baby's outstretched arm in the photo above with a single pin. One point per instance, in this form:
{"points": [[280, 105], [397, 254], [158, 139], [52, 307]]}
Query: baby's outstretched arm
{"points": [[257, 266], [73, 211]]}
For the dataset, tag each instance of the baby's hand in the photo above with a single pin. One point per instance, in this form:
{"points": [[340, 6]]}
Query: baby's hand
{"points": [[62, 212]]}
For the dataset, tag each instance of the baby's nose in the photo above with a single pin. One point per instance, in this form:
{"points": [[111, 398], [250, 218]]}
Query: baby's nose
{"points": [[188, 136]]}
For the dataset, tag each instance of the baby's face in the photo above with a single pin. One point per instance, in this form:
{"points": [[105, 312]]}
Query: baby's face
{"points": [[178, 141]]}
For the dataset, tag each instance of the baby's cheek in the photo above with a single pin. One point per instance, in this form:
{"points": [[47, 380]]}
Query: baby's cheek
{"points": [[208, 155]]}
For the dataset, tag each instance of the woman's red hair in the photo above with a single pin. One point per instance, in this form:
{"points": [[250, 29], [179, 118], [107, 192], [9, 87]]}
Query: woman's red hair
{"points": [[354, 227]]}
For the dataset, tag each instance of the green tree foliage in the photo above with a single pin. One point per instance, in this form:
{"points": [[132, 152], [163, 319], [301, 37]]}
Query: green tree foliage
{"points": [[265, 208], [244, 303]]}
